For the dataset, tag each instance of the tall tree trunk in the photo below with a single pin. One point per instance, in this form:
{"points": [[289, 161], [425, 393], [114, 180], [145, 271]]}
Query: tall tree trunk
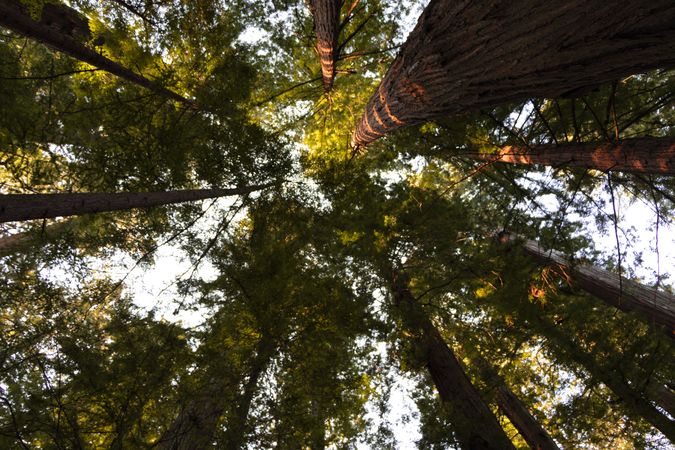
{"points": [[639, 155], [326, 15], [528, 427], [196, 423], [475, 425], [656, 307], [46, 206], [465, 55], [663, 395], [235, 435], [13, 15], [195, 426]]}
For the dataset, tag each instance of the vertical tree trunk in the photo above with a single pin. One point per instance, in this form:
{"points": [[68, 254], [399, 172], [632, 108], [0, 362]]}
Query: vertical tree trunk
{"points": [[326, 15], [528, 427], [654, 306], [45, 206], [475, 425], [14, 17], [466, 55], [639, 155]]}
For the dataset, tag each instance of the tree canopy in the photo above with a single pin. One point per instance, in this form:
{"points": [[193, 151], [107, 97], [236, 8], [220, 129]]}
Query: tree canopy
{"points": [[256, 224]]}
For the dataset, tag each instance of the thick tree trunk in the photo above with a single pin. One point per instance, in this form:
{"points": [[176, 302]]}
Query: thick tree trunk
{"points": [[46, 206], [326, 15], [475, 425], [465, 55], [528, 427], [196, 423], [639, 155], [656, 307], [663, 395], [14, 17]]}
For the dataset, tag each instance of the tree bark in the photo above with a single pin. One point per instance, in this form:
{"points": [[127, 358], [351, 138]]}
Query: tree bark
{"points": [[326, 15], [475, 425], [46, 206], [14, 17], [467, 55], [639, 155], [654, 306], [528, 427], [27, 240]]}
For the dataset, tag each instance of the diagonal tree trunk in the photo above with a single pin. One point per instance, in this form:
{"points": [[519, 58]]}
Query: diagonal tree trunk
{"points": [[639, 155], [465, 55], [528, 427], [14, 17], [45, 206], [326, 15], [652, 305], [475, 425]]}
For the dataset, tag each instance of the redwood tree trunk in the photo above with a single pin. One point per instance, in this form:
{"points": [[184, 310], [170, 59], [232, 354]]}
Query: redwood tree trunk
{"points": [[14, 17], [639, 155], [465, 55], [475, 425], [46, 206], [528, 427], [326, 15], [655, 306]]}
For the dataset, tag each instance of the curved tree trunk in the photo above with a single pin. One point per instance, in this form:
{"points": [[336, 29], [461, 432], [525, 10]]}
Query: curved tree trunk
{"points": [[475, 425], [656, 307], [465, 55], [528, 427], [639, 155], [14, 17], [46, 206], [326, 15]]}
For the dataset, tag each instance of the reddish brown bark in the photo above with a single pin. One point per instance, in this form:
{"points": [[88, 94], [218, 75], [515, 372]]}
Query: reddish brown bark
{"points": [[326, 15], [639, 155], [474, 424], [45, 206], [14, 17], [656, 307], [528, 427], [466, 55]]}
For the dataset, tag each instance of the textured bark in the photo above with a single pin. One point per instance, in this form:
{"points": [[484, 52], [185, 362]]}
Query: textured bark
{"points": [[196, 423], [475, 425], [528, 427], [46, 206], [663, 395], [656, 307], [639, 155], [326, 15], [465, 55], [14, 17]]}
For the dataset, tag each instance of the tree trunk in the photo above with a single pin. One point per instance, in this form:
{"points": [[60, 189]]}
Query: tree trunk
{"points": [[196, 423], [14, 16], [475, 425], [654, 306], [663, 395], [46, 206], [326, 15], [528, 427], [467, 55], [639, 155]]}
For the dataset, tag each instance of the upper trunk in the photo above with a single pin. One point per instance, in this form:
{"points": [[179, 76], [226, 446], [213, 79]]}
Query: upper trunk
{"points": [[326, 15], [528, 427], [466, 55], [640, 155], [655, 306], [14, 16], [46, 206], [475, 425]]}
